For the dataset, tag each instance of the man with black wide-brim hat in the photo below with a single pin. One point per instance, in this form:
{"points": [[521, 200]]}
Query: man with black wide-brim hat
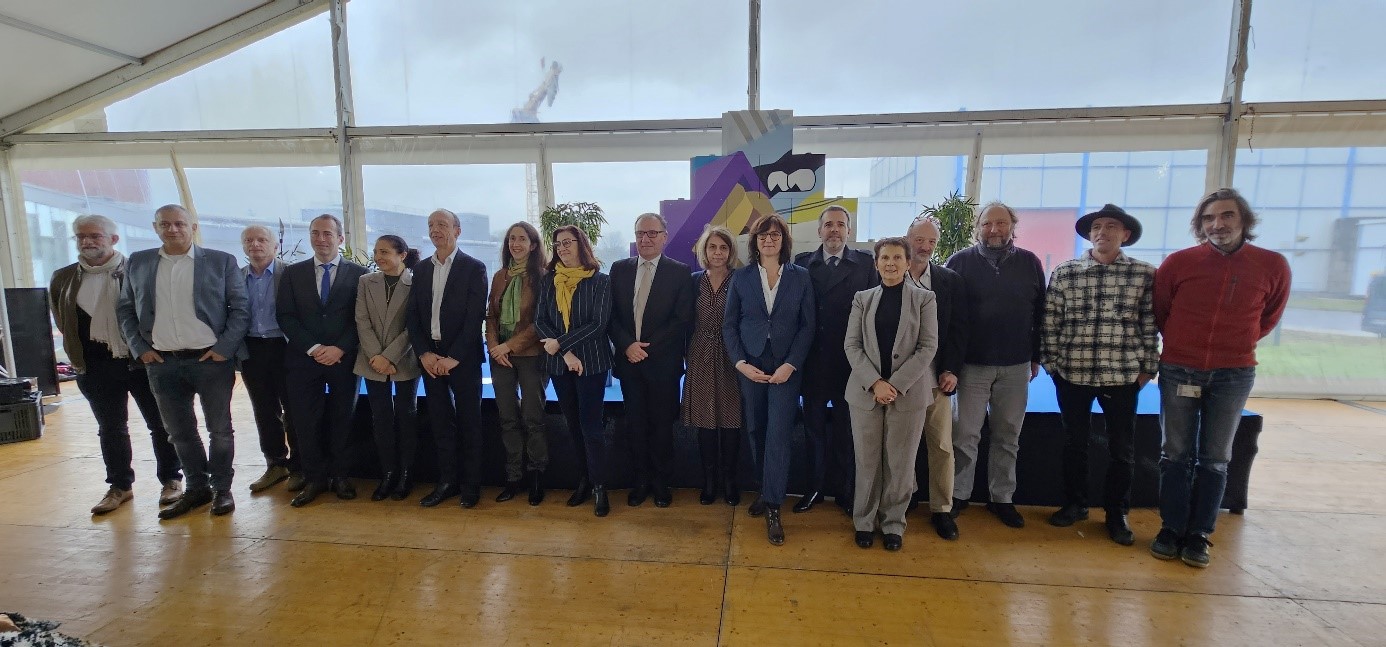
{"points": [[1099, 341]]}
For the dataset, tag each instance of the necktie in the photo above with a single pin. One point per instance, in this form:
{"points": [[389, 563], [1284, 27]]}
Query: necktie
{"points": [[832, 262], [642, 293], [326, 281]]}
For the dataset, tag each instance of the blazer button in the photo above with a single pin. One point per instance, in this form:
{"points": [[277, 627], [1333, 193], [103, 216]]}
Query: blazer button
{"points": [[895, 356]]}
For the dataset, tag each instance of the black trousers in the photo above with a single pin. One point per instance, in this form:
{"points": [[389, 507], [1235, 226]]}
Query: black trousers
{"points": [[322, 400], [395, 425], [454, 416], [108, 385], [1118, 405], [266, 382], [651, 406], [832, 457]]}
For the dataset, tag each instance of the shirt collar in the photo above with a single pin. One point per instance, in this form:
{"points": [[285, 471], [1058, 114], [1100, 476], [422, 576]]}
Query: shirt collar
{"points": [[434, 257], [1089, 260], [192, 253], [654, 260], [269, 271], [336, 261]]}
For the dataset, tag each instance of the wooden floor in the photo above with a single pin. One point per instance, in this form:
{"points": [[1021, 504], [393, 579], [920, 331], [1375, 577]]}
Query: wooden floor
{"points": [[1304, 566]]}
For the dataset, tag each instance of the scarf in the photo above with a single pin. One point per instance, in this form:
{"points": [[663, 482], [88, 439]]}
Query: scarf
{"points": [[565, 282], [995, 256], [510, 299], [104, 327]]}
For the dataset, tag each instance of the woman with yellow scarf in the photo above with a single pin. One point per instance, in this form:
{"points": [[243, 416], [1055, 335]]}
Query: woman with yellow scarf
{"points": [[571, 317]]}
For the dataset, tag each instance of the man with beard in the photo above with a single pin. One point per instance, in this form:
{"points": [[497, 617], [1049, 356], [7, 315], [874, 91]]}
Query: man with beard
{"points": [[83, 299], [1005, 307]]}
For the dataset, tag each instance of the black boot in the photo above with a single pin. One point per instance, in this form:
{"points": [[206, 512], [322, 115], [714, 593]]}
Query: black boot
{"points": [[774, 529], [511, 489], [731, 490], [404, 487], [383, 490], [709, 493], [581, 492], [600, 504], [536, 487], [708, 447]]}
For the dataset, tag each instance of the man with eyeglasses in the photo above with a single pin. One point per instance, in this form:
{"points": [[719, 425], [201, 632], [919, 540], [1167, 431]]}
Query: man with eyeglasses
{"points": [[651, 307], [838, 273], [184, 312], [83, 299]]}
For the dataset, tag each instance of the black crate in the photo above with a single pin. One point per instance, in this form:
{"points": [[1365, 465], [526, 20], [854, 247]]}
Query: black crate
{"points": [[20, 421]]}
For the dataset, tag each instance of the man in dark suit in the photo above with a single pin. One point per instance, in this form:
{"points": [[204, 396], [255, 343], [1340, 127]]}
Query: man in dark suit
{"points": [[838, 273], [183, 312], [446, 308], [262, 371], [316, 307], [952, 343], [651, 306]]}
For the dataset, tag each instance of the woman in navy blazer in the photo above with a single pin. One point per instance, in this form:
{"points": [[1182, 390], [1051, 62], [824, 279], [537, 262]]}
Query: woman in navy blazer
{"points": [[571, 316], [768, 328]]}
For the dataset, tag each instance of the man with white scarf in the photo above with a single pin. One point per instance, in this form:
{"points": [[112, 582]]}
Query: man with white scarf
{"points": [[83, 299]]}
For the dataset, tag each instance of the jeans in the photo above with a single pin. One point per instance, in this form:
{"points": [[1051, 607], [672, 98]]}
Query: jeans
{"points": [[394, 418], [1119, 413], [107, 385], [582, 398], [522, 417], [174, 382], [1198, 426]]}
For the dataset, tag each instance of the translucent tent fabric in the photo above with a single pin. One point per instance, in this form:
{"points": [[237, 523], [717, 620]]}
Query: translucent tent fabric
{"points": [[1316, 174]]}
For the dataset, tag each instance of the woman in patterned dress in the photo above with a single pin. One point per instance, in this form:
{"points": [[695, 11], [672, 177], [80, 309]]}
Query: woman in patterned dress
{"points": [[711, 398]]}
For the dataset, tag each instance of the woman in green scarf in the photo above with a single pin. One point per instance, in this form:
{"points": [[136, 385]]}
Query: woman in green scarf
{"points": [[515, 352]]}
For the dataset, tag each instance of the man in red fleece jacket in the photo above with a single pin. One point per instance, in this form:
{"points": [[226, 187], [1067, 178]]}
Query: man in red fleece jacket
{"points": [[1213, 302]]}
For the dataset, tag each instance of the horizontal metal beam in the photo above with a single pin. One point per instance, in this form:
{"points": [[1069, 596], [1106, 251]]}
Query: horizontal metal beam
{"points": [[185, 54], [70, 40]]}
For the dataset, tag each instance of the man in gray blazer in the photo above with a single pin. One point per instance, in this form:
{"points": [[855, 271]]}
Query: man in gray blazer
{"points": [[183, 312], [263, 369]]}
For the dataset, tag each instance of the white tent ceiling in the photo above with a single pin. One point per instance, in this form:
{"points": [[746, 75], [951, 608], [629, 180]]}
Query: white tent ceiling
{"points": [[38, 66]]}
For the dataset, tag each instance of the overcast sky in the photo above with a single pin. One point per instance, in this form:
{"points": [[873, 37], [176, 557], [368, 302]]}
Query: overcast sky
{"points": [[440, 61]]}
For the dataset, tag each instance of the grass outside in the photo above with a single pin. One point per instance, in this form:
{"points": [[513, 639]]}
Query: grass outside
{"points": [[1307, 354], [1327, 303]]}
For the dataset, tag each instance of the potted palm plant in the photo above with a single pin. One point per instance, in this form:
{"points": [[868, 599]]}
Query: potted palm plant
{"points": [[586, 215], [956, 216]]}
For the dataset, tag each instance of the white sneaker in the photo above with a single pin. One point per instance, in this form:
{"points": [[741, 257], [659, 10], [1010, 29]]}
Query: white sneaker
{"points": [[114, 498], [173, 490]]}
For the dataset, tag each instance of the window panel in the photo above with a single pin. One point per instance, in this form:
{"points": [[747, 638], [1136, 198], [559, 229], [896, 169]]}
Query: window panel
{"points": [[443, 62], [623, 190], [1316, 50], [823, 57], [229, 199]]}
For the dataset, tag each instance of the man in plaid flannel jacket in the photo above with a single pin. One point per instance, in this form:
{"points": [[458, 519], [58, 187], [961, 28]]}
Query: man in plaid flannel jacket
{"points": [[1099, 341]]}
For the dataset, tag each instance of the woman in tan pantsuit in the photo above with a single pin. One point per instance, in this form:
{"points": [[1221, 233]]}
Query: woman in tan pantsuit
{"points": [[892, 335], [387, 360]]}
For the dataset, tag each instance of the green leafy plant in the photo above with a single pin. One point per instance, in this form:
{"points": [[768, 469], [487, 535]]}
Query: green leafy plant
{"points": [[956, 216], [587, 216]]}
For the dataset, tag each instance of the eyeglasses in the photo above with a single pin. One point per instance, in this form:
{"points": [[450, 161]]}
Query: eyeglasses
{"points": [[565, 243], [771, 235], [651, 233], [92, 237]]}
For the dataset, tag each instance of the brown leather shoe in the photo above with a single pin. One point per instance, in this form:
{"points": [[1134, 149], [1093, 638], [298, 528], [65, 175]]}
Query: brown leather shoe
{"points": [[223, 503], [173, 489], [114, 498], [272, 475]]}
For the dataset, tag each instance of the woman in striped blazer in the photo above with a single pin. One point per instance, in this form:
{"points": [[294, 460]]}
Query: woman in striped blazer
{"points": [[571, 316]]}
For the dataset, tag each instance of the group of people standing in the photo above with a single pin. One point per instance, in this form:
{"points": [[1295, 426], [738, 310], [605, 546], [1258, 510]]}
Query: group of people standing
{"points": [[873, 344]]}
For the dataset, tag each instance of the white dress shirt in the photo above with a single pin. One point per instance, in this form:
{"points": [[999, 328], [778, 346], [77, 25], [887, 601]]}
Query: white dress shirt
{"points": [[176, 326], [441, 270], [769, 291]]}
